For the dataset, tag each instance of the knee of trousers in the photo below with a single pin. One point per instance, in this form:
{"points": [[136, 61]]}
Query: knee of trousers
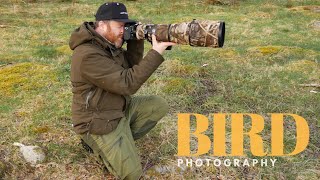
{"points": [[160, 104]]}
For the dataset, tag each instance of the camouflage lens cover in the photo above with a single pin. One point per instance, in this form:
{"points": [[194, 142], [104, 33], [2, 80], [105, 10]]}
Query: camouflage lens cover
{"points": [[196, 33]]}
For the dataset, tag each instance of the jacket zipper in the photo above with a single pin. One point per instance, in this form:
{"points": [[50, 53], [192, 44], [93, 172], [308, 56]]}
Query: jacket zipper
{"points": [[89, 96]]}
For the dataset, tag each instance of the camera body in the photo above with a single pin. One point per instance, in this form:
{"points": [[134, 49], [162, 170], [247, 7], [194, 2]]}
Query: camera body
{"points": [[130, 31]]}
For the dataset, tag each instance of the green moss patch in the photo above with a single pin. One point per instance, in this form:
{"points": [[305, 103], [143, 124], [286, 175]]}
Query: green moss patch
{"points": [[265, 50], [65, 49], [25, 77], [179, 86]]}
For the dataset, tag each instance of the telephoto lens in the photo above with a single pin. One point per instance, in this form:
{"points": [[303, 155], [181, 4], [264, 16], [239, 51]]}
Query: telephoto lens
{"points": [[200, 33]]}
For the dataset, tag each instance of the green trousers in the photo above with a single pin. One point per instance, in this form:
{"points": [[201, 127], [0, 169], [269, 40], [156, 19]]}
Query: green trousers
{"points": [[117, 148]]}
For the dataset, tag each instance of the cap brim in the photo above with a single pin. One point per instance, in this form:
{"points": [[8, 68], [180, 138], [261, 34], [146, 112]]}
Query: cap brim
{"points": [[125, 20]]}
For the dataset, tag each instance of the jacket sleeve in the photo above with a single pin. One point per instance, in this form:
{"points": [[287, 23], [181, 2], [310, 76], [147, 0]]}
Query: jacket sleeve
{"points": [[134, 52], [106, 74]]}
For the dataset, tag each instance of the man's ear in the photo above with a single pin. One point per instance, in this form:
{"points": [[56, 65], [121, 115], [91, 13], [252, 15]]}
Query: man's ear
{"points": [[102, 26], [107, 25], [100, 23]]}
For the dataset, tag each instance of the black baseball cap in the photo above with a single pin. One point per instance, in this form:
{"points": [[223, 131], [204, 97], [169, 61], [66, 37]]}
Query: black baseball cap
{"points": [[113, 11]]}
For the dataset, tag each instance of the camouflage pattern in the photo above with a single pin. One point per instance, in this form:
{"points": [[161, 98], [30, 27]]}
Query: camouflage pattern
{"points": [[196, 33]]}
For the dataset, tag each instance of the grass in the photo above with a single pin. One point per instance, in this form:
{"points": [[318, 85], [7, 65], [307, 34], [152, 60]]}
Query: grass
{"points": [[270, 49]]}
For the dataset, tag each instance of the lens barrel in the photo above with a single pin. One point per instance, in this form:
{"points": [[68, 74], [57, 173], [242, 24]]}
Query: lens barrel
{"points": [[199, 33]]}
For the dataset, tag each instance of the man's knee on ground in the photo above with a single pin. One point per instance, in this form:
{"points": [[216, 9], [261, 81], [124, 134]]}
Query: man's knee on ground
{"points": [[134, 175]]}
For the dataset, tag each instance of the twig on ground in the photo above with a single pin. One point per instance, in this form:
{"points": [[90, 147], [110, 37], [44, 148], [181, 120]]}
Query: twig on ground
{"points": [[310, 85], [6, 26]]}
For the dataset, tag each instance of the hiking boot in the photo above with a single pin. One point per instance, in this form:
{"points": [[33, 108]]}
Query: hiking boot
{"points": [[86, 146]]}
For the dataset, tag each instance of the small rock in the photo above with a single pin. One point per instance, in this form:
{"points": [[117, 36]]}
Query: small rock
{"points": [[316, 25], [165, 169], [316, 10], [32, 154]]}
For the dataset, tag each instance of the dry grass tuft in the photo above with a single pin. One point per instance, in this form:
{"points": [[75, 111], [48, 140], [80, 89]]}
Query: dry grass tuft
{"points": [[222, 2], [177, 68], [305, 8], [305, 66]]}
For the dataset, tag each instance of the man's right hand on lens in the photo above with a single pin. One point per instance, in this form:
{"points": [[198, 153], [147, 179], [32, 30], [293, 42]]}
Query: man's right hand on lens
{"points": [[160, 47]]}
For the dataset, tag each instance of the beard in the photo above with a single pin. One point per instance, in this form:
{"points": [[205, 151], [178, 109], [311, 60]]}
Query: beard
{"points": [[113, 36], [118, 42]]}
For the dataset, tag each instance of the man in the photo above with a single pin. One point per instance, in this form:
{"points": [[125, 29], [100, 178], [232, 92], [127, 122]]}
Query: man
{"points": [[103, 77]]}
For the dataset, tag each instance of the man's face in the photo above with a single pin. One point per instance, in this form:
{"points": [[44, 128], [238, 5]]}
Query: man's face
{"points": [[114, 32]]}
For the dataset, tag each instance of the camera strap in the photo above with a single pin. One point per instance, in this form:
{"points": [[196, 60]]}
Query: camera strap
{"points": [[169, 28], [189, 30]]}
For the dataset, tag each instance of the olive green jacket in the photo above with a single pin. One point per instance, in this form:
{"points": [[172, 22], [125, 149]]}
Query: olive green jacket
{"points": [[103, 78]]}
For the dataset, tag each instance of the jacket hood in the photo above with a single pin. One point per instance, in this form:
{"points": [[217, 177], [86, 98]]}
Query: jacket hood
{"points": [[86, 34]]}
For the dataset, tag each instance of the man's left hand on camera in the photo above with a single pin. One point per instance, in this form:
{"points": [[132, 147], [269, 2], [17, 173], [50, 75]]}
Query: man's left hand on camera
{"points": [[160, 47]]}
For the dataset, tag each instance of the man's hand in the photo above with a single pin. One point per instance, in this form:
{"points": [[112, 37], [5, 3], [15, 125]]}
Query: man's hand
{"points": [[160, 47]]}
